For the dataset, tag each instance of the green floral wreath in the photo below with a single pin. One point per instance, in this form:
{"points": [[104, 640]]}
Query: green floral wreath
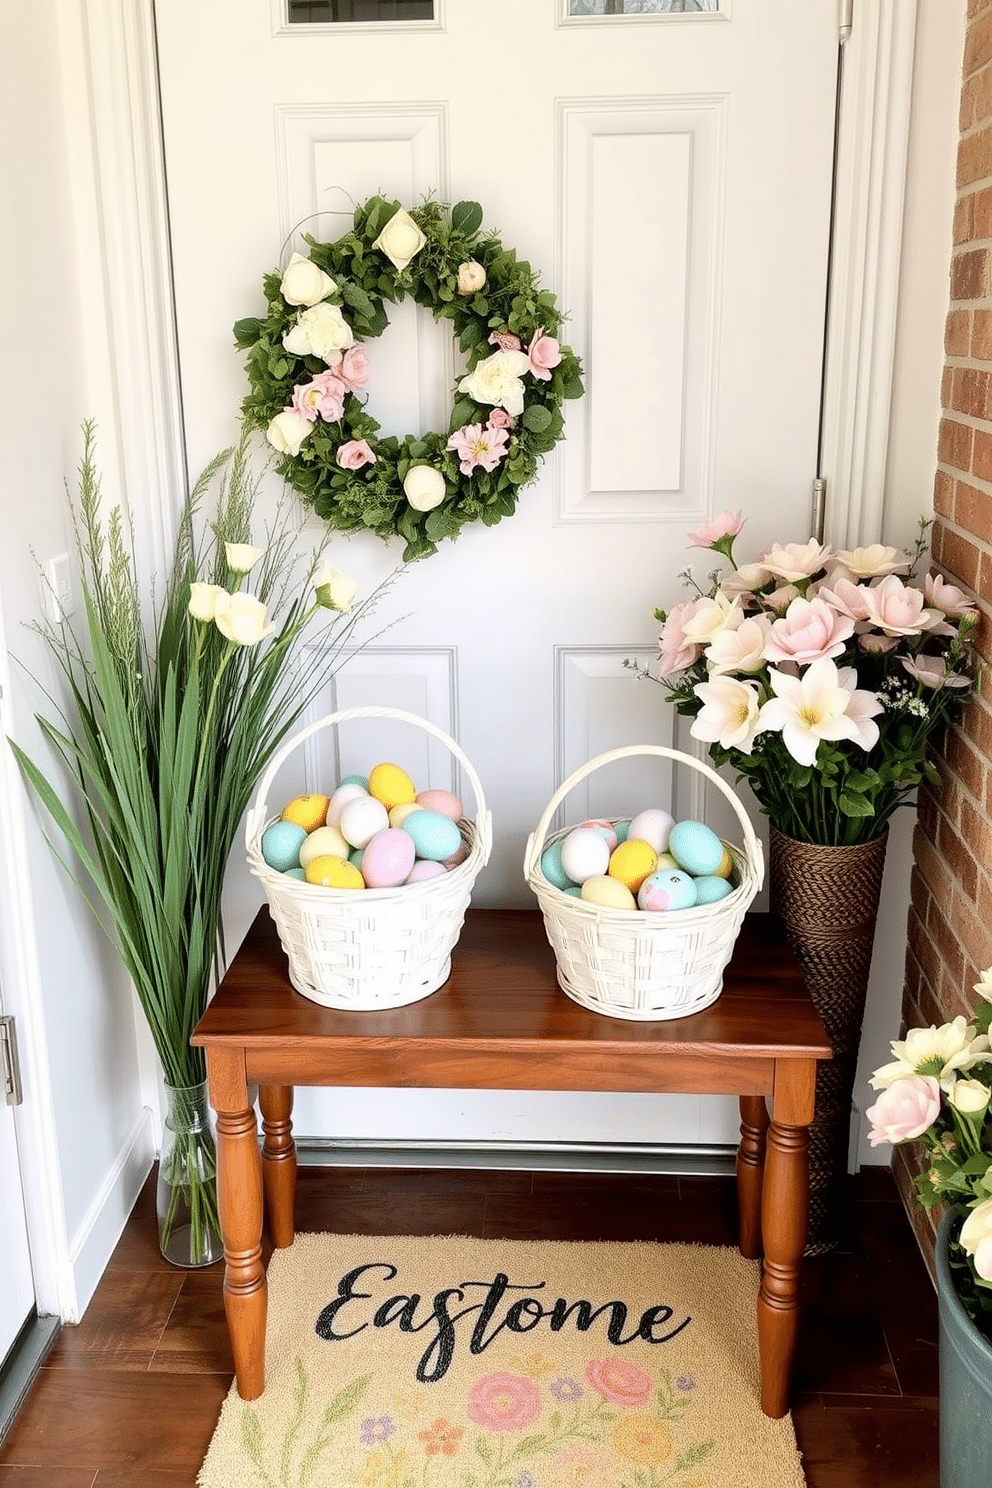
{"points": [[308, 374]]}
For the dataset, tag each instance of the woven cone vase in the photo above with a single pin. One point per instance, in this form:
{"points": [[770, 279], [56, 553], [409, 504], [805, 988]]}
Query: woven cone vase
{"points": [[827, 899]]}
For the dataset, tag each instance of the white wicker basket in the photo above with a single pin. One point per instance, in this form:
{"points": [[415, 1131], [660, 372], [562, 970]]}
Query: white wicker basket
{"points": [[372, 948], [634, 963]]}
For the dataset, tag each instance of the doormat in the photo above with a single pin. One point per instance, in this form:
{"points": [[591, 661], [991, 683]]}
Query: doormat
{"points": [[458, 1363]]}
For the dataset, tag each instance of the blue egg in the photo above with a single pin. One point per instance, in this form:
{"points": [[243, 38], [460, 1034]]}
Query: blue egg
{"points": [[299, 873], [574, 890], [622, 828], [695, 847], [362, 780], [356, 855], [435, 836], [552, 869], [710, 889], [667, 889], [281, 843]]}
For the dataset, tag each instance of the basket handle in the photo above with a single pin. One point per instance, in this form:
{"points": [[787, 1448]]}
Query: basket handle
{"points": [[258, 813], [535, 842]]}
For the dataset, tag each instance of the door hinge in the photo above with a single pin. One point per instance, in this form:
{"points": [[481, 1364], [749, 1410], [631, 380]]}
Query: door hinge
{"points": [[11, 1063], [818, 508], [845, 19]]}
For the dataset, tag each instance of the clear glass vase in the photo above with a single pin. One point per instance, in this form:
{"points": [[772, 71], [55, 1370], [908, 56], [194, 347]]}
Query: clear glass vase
{"points": [[186, 1198]]}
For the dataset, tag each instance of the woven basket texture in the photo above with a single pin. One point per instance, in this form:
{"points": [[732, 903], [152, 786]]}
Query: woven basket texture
{"points": [[369, 949]]}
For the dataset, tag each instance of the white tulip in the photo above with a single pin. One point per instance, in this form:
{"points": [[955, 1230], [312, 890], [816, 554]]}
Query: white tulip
{"points": [[303, 283], [334, 590], [424, 487], [969, 1096], [241, 557], [203, 600], [241, 618]]}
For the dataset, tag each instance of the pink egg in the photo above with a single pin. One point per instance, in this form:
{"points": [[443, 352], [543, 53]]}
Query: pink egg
{"points": [[441, 800], [388, 858], [423, 869], [604, 828]]}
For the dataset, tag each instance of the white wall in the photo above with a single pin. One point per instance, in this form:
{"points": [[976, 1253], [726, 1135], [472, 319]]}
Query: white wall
{"points": [[84, 1135]]}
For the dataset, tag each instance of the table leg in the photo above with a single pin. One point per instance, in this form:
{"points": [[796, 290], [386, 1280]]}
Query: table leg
{"points": [[784, 1213], [239, 1197], [278, 1161], [750, 1173]]}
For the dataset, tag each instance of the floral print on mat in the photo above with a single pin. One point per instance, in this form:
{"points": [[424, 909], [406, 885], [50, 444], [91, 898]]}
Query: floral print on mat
{"points": [[526, 1427]]}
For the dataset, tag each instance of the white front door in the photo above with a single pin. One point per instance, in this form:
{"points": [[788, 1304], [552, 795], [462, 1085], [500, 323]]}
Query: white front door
{"points": [[669, 176]]}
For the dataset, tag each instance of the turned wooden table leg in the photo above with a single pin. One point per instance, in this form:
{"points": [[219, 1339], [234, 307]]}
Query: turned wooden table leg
{"points": [[750, 1173], [278, 1161], [784, 1213], [239, 1197]]}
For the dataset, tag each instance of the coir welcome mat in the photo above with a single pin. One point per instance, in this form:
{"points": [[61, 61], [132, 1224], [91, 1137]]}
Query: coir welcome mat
{"points": [[459, 1363]]}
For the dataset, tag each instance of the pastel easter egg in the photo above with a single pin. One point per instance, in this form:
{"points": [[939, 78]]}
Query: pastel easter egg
{"points": [[281, 843], [604, 828], [390, 784], [584, 853], [574, 891], [295, 873], [361, 819], [330, 872], [425, 869], [388, 858], [444, 801], [399, 814], [622, 829], [665, 860], [695, 847], [348, 790], [362, 780], [551, 866], [710, 888], [654, 826], [434, 835], [356, 855], [306, 811], [324, 842], [667, 890], [459, 855], [632, 861], [726, 867], [607, 892]]}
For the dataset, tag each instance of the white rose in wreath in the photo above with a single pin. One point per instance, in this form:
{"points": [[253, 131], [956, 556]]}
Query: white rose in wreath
{"points": [[321, 331], [303, 283], [497, 380], [424, 487], [471, 277], [400, 239], [287, 431]]}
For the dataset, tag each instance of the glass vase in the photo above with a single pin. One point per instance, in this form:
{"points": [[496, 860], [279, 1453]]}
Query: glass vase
{"points": [[186, 1197]]}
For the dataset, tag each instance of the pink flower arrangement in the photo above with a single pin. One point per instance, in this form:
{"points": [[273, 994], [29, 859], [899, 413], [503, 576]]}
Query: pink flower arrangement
{"points": [[822, 675]]}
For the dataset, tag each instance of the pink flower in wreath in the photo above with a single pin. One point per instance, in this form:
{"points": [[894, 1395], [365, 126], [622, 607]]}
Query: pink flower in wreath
{"points": [[355, 453], [543, 353], [478, 444], [500, 419], [618, 1382], [353, 369], [504, 1402], [505, 340], [321, 398]]}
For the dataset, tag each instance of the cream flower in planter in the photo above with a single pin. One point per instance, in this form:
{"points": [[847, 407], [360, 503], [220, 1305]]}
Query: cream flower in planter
{"points": [[242, 619], [400, 240], [976, 1237], [242, 557]]}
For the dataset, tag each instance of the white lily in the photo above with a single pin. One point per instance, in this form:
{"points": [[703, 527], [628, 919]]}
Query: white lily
{"points": [[943, 1052], [820, 704], [729, 715]]}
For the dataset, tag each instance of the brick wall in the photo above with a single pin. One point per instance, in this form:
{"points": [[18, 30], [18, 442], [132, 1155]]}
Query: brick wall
{"points": [[950, 918]]}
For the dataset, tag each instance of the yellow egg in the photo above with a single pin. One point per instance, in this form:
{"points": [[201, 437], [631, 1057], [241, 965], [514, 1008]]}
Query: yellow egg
{"points": [[391, 785], [324, 842], [607, 892], [632, 862], [399, 813], [333, 873], [307, 812], [726, 867]]}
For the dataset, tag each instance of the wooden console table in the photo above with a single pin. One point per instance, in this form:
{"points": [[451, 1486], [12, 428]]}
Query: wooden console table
{"points": [[501, 1023]]}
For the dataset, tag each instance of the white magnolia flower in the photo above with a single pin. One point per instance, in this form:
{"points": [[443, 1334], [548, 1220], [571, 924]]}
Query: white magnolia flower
{"points": [[872, 562], [287, 431], [969, 1096], [400, 239], [242, 618], [334, 590], [729, 715], [424, 487], [943, 1052], [321, 331], [497, 380], [739, 649], [823, 703], [303, 283], [976, 1237], [203, 600], [795, 561], [242, 557], [709, 616]]}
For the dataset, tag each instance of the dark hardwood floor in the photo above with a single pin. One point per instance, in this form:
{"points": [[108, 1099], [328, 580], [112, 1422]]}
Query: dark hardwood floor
{"points": [[131, 1396]]}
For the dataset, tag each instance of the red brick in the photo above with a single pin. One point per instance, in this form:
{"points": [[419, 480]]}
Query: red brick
{"points": [[943, 493], [981, 464], [975, 6], [964, 207], [971, 392], [947, 389], [978, 43], [981, 336], [981, 210], [974, 158], [967, 764], [970, 270], [957, 333], [958, 858], [973, 511], [960, 558], [954, 444]]}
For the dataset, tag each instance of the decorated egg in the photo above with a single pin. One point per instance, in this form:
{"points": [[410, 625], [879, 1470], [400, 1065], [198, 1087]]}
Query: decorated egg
{"points": [[399, 814], [306, 811], [329, 872], [348, 790], [362, 780], [622, 829], [388, 858], [390, 784], [653, 826], [551, 866], [361, 819], [710, 888], [632, 861], [604, 828], [323, 842], [726, 867], [695, 847], [584, 853], [281, 843], [424, 869], [434, 835], [668, 889], [441, 800], [665, 860], [607, 892]]}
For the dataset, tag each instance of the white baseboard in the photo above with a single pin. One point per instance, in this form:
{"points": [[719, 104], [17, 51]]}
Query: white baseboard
{"points": [[94, 1241]]}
